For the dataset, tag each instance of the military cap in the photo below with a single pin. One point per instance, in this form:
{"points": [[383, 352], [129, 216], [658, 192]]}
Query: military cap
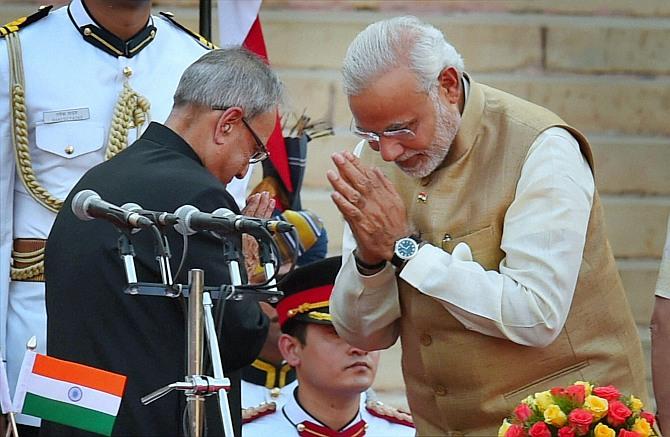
{"points": [[307, 292]]}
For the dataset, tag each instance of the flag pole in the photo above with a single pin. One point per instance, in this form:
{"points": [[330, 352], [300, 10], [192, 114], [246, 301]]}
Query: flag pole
{"points": [[12, 430], [206, 19]]}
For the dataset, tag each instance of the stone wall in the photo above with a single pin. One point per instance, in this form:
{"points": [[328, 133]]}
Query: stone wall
{"points": [[602, 65]]}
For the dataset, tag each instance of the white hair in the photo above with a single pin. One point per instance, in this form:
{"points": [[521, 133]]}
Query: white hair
{"points": [[388, 44], [230, 77]]}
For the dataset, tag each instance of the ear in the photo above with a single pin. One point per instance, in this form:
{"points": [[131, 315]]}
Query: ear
{"points": [[224, 124], [450, 84], [291, 349]]}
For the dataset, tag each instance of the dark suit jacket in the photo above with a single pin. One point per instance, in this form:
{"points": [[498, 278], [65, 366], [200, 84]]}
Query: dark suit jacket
{"points": [[91, 321]]}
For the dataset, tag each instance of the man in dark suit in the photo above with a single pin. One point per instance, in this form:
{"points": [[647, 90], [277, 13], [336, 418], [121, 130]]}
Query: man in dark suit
{"points": [[217, 126]]}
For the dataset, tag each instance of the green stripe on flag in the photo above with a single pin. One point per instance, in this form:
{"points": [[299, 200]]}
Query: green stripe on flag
{"points": [[68, 414]]}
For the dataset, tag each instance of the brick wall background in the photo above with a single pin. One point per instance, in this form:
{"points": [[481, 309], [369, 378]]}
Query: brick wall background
{"points": [[602, 65]]}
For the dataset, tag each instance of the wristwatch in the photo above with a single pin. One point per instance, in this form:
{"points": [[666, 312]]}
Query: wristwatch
{"points": [[406, 248]]}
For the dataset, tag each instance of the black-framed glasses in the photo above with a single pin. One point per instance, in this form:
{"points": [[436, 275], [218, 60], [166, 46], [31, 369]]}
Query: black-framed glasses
{"points": [[261, 152]]}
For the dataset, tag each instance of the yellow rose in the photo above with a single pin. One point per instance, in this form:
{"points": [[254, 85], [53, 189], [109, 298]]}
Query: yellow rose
{"points": [[553, 415], [587, 386], [635, 404], [530, 401], [543, 400], [602, 430], [503, 428], [596, 405], [642, 427]]}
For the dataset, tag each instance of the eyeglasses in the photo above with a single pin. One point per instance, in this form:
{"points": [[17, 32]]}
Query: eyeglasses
{"points": [[261, 152], [400, 134]]}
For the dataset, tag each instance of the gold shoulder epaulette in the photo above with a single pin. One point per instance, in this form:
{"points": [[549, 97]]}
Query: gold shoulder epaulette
{"points": [[22, 22], [201, 39], [389, 413], [252, 413]]}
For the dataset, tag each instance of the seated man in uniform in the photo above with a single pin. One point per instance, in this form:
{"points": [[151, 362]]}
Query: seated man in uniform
{"points": [[332, 375]]}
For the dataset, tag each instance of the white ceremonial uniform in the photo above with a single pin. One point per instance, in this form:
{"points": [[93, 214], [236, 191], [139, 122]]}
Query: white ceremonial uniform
{"points": [[255, 394], [71, 89], [285, 420], [663, 282]]}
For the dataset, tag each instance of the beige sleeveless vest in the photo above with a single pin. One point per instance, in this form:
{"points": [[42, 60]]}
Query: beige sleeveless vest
{"points": [[461, 382]]}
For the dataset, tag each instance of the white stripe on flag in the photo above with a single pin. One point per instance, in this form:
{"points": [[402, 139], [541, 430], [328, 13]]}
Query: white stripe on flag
{"points": [[235, 20], [26, 371], [74, 394], [5, 397]]}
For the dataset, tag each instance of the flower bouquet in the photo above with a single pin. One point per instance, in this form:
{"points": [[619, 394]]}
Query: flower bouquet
{"points": [[578, 410]]}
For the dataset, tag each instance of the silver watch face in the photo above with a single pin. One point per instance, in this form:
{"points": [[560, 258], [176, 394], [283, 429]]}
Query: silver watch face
{"points": [[406, 248]]}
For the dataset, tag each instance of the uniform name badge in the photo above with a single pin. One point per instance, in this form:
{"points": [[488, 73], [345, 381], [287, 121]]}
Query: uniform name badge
{"points": [[66, 115]]}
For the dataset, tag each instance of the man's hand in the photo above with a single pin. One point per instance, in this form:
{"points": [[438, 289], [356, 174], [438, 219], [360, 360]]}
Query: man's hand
{"points": [[259, 205], [371, 206]]}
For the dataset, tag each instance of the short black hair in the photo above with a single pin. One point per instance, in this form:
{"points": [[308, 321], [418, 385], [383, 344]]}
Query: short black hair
{"points": [[297, 329]]}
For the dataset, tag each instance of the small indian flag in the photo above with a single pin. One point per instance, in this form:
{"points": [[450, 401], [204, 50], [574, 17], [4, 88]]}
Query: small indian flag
{"points": [[69, 393]]}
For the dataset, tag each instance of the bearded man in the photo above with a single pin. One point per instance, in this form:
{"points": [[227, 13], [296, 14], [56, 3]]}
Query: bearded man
{"points": [[475, 234]]}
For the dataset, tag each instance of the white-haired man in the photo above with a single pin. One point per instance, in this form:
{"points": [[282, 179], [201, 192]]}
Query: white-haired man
{"points": [[475, 234]]}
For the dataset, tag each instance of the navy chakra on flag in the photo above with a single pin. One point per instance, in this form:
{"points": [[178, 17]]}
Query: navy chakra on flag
{"points": [[74, 394]]}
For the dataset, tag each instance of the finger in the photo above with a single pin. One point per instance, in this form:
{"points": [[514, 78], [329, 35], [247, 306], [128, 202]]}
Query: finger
{"points": [[385, 181], [361, 177], [341, 186], [347, 170], [263, 210], [349, 211], [252, 204]]}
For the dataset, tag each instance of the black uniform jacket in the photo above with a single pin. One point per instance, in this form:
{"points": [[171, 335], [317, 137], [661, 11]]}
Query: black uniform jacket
{"points": [[90, 319]]}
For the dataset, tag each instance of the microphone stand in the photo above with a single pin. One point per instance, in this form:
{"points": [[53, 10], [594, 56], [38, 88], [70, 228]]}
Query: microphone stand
{"points": [[197, 386]]}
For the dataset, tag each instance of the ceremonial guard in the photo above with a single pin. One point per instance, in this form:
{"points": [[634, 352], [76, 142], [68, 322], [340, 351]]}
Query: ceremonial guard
{"points": [[329, 398], [264, 382], [79, 95]]}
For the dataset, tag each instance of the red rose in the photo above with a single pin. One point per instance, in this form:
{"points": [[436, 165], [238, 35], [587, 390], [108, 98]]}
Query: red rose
{"points": [[608, 392], [617, 413], [557, 391], [539, 429], [566, 431], [515, 431], [626, 433], [523, 412], [576, 393], [580, 420], [646, 415]]}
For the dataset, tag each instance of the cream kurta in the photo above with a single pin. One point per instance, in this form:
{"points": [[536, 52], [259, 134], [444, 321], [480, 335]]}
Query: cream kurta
{"points": [[458, 380]]}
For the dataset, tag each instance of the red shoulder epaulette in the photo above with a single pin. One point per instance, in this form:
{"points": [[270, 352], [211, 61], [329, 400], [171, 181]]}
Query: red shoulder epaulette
{"points": [[22, 22], [201, 39], [390, 414], [252, 413]]}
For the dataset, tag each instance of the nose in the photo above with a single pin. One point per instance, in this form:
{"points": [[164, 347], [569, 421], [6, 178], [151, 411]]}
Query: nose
{"points": [[357, 351], [390, 149]]}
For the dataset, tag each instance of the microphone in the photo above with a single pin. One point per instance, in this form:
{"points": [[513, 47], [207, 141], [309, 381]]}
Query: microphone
{"points": [[157, 217], [222, 219], [87, 205], [250, 224]]}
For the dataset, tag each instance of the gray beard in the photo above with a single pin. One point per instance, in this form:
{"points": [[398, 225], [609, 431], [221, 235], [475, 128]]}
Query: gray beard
{"points": [[446, 128]]}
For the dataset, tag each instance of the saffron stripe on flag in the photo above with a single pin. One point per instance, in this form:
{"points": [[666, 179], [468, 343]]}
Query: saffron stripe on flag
{"points": [[79, 374], [68, 414], [74, 394]]}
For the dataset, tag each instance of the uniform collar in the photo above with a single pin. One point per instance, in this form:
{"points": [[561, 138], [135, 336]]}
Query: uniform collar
{"points": [[306, 425], [95, 34], [264, 373]]}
